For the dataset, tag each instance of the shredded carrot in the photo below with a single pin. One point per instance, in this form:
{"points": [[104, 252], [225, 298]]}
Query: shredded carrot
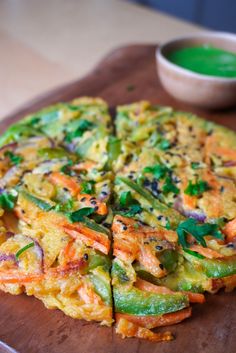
{"points": [[148, 259], [18, 212], [158, 320], [129, 329], [150, 287], [89, 236], [91, 201], [230, 230], [84, 165], [69, 251], [207, 252], [65, 181], [14, 276], [88, 295]]}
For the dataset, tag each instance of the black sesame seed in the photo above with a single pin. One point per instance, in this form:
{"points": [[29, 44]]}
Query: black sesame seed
{"points": [[93, 202], [65, 189], [85, 257], [96, 208], [83, 199], [104, 193], [146, 242], [161, 266], [124, 227], [230, 245], [222, 188], [159, 217], [159, 247]]}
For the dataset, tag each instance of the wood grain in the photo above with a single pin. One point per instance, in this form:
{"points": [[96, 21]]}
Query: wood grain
{"points": [[126, 75]]}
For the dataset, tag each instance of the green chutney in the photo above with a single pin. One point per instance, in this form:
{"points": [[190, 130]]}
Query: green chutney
{"points": [[206, 60]]}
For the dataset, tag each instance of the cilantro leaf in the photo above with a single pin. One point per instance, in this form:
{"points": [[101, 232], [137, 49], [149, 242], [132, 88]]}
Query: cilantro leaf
{"points": [[83, 125], [197, 189], [164, 145], [64, 207], [132, 206], [66, 168], [133, 210], [159, 171], [78, 216], [194, 253], [195, 165], [198, 231], [7, 200], [126, 199], [87, 187], [169, 186], [14, 158]]}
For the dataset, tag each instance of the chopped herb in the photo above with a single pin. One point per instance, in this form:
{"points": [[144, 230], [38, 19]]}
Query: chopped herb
{"points": [[64, 207], [14, 158], [198, 231], [78, 216], [7, 200], [169, 186], [133, 210], [194, 253], [195, 165], [83, 125], [19, 252], [126, 199], [164, 145], [66, 168], [197, 189], [159, 171], [87, 187]]}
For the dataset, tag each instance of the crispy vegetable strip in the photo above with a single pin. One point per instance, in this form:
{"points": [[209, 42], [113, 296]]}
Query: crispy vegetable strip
{"points": [[84, 165], [65, 181], [91, 201], [15, 276], [129, 329], [149, 287], [159, 320], [88, 295], [151, 263], [207, 252], [97, 240], [230, 230]]}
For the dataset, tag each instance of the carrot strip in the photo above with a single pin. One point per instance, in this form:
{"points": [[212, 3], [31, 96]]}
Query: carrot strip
{"points": [[230, 230], [148, 259], [88, 295], [84, 165], [159, 320], [207, 252], [90, 237], [19, 277], [129, 329], [150, 287], [65, 181], [91, 201]]}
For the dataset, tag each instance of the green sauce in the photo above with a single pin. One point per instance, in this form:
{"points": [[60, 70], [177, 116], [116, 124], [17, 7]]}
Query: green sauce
{"points": [[206, 60]]}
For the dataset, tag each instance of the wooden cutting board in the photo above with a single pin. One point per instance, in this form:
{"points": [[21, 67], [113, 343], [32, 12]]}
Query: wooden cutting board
{"points": [[126, 75]]}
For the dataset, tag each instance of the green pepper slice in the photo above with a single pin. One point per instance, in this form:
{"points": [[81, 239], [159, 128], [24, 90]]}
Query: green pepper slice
{"points": [[136, 302]]}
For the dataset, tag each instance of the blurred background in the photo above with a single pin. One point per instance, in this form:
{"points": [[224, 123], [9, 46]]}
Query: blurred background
{"points": [[214, 14], [46, 43]]}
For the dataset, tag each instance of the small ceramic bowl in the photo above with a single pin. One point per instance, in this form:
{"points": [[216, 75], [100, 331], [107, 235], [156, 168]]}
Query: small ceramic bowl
{"points": [[197, 89]]}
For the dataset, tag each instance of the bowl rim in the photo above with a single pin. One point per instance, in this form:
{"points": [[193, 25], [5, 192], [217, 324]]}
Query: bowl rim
{"points": [[160, 57]]}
